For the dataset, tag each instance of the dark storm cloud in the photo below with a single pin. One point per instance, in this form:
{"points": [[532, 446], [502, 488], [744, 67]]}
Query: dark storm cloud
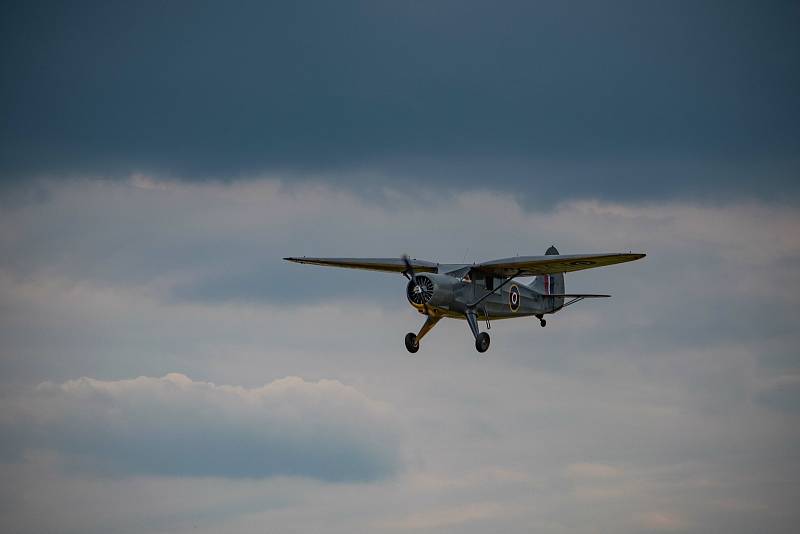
{"points": [[628, 98]]}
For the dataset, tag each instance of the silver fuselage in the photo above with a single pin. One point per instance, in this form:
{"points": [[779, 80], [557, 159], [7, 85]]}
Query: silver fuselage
{"points": [[452, 296]]}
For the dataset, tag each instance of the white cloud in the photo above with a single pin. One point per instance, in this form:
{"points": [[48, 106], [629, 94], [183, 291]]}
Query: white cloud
{"points": [[589, 470], [660, 521], [447, 516], [176, 426]]}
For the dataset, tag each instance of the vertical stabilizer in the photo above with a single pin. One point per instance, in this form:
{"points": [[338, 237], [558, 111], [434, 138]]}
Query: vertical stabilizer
{"points": [[550, 284]]}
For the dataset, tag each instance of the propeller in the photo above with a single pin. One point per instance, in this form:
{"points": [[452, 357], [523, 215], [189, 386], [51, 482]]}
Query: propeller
{"points": [[409, 268], [423, 290]]}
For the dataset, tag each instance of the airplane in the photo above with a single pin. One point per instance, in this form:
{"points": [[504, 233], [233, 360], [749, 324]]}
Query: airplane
{"points": [[483, 291]]}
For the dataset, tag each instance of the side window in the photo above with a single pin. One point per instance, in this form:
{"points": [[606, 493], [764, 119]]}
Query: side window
{"points": [[490, 283]]}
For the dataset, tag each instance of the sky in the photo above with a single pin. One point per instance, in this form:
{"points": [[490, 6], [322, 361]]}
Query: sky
{"points": [[162, 370]]}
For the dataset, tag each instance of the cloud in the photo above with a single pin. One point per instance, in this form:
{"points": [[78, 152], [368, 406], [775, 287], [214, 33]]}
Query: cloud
{"points": [[448, 516], [660, 521], [213, 246], [587, 470], [157, 161], [649, 403], [552, 100], [783, 394], [176, 426]]}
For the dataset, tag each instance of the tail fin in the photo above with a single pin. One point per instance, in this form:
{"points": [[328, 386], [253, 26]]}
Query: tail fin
{"points": [[550, 284]]}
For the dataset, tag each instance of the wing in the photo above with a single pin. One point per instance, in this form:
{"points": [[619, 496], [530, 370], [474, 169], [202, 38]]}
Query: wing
{"points": [[552, 264], [391, 265]]}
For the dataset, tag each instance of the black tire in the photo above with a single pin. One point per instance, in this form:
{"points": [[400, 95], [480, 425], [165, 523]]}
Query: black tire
{"points": [[482, 342], [542, 322], [411, 342]]}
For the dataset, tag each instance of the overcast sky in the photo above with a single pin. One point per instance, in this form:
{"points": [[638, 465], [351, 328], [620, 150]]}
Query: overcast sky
{"points": [[163, 371]]}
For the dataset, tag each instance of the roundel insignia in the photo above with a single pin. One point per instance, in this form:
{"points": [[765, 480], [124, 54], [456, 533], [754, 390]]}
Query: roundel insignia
{"points": [[513, 298], [582, 262]]}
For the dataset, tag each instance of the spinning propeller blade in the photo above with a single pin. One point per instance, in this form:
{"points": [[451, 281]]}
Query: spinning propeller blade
{"points": [[409, 268], [413, 276]]}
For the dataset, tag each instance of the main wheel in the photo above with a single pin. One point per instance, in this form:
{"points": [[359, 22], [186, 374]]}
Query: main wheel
{"points": [[543, 322], [411, 342], [482, 342]]}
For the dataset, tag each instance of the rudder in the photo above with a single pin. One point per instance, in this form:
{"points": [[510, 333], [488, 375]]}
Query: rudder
{"points": [[550, 284]]}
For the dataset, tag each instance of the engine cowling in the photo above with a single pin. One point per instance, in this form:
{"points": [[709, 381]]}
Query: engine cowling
{"points": [[430, 289]]}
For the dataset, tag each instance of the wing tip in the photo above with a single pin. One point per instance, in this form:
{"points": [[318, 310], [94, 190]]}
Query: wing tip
{"points": [[634, 255]]}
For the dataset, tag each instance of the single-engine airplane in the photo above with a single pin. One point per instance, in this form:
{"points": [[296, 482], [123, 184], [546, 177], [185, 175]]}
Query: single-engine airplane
{"points": [[483, 291]]}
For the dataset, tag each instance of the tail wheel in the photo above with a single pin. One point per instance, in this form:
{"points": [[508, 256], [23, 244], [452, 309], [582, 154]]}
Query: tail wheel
{"points": [[482, 342], [411, 342], [542, 322]]}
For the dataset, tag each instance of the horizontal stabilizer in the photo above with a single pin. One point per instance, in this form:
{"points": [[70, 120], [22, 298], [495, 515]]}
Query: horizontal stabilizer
{"points": [[578, 296]]}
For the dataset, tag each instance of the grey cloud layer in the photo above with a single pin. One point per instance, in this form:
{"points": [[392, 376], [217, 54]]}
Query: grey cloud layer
{"points": [[211, 243], [672, 405], [175, 426], [621, 99], [198, 252]]}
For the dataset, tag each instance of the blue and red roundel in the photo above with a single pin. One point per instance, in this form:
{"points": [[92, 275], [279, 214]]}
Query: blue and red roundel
{"points": [[513, 298]]}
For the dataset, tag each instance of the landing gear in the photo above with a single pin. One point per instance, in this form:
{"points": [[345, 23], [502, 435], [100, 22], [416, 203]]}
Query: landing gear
{"points": [[412, 345], [542, 322], [412, 339], [481, 338], [482, 342]]}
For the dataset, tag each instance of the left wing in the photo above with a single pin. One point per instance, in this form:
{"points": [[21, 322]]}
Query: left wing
{"points": [[391, 265], [551, 264]]}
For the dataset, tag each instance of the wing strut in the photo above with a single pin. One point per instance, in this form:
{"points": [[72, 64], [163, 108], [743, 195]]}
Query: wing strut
{"points": [[573, 301], [482, 338], [493, 291]]}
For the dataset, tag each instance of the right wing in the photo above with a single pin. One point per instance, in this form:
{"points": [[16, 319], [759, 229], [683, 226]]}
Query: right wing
{"points": [[551, 264], [391, 265]]}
